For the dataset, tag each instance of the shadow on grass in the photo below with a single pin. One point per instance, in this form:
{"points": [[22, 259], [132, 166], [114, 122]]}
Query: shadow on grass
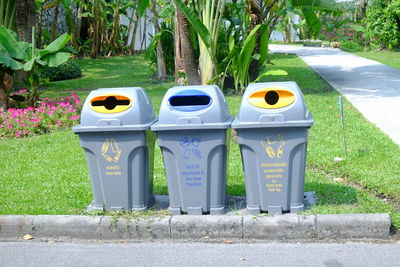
{"points": [[236, 189], [332, 194], [309, 81]]}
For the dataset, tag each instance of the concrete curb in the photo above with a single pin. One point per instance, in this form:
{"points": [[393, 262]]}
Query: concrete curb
{"points": [[191, 227]]}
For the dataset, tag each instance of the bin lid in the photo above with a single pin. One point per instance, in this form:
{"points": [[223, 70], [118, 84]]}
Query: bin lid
{"points": [[193, 107], [273, 104], [116, 109]]}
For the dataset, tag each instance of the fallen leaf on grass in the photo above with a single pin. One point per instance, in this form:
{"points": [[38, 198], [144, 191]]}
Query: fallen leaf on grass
{"points": [[27, 237], [338, 180], [338, 159]]}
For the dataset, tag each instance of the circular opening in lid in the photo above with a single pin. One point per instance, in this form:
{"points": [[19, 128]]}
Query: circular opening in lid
{"points": [[271, 97]]}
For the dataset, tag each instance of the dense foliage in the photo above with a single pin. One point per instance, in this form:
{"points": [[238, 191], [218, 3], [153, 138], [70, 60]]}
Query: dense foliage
{"points": [[67, 70], [383, 24]]}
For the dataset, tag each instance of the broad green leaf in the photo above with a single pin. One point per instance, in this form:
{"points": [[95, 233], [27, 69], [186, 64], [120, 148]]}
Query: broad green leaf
{"points": [[55, 59], [312, 20], [264, 41], [319, 4], [40, 62], [10, 43], [56, 45], [246, 53], [167, 11], [9, 62], [231, 43], [143, 5], [28, 65], [153, 45], [271, 73], [195, 21]]}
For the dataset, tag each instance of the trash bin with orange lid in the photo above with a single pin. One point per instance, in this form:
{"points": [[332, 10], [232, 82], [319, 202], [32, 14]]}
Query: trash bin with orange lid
{"points": [[272, 129], [119, 147]]}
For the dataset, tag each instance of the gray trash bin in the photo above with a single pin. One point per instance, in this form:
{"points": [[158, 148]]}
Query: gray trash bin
{"points": [[119, 147], [191, 132], [272, 128]]}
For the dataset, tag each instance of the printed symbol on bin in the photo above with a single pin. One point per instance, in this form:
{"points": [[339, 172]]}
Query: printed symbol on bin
{"points": [[271, 142], [190, 146], [110, 150]]}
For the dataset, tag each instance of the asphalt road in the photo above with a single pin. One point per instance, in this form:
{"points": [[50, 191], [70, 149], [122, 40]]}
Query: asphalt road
{"points": [[197, 254]]}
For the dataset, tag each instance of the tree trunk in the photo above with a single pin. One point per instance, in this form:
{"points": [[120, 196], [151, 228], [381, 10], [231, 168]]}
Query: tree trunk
{"points": [[161, 68], [133, 39], [95, 28], [54, 24], [185, 60], [3, 96], [20, 19], [363, 6], [143, 35], [255, 19], [39, 29], [24, 21], [30, 19], [70, 20], [114, 31]]}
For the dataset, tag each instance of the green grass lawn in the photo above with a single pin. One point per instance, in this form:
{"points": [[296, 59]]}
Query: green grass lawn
{"points": [[47, 174], [389, 58]]}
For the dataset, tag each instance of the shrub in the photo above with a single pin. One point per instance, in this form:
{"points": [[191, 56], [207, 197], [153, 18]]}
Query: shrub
{"points": [[67, 70], [351, 46], [383, 24], [312, 43], [49, 115]]}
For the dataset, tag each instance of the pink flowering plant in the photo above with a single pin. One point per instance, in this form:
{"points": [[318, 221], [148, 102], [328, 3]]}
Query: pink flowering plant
{"points": [[49, 114]]}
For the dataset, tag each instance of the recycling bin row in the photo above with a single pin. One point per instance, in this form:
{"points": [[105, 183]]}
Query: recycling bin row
{"points": [[118, 130]]}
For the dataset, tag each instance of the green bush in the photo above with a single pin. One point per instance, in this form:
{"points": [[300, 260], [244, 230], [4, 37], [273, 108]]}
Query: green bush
{"points": [[67, 70], [383, 24], [351, 46]]}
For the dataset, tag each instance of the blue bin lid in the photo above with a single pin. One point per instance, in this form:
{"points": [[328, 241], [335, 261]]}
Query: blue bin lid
{"points": [[193, 107]]}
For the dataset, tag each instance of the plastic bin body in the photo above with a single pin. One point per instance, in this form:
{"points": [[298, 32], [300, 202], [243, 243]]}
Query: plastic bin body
{"points": [[119, 150], [192, 136], [273, 144]]}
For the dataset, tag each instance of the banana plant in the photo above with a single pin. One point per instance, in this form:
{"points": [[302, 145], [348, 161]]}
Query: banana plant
{"points": [[16, 55], [241, 55], [310, 10], [12, 55]]}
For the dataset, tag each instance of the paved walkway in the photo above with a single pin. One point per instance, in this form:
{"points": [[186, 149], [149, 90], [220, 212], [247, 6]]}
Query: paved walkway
{"points": [[373, 88]]}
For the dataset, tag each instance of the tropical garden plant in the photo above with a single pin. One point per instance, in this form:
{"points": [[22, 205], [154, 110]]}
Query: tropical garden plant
{"points": [[18, 55]]}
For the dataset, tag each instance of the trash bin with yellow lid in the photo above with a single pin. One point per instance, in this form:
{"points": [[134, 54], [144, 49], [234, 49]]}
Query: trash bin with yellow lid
{"points": [[272, 129], [119, 147]]}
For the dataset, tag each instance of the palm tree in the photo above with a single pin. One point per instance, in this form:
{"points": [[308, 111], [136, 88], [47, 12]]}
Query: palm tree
{"points": [[185, 60]]}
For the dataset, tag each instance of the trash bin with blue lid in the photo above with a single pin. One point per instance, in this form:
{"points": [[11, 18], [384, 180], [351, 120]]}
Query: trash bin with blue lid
{"points": [[272, 129], [119, 147], [191, 132]]}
